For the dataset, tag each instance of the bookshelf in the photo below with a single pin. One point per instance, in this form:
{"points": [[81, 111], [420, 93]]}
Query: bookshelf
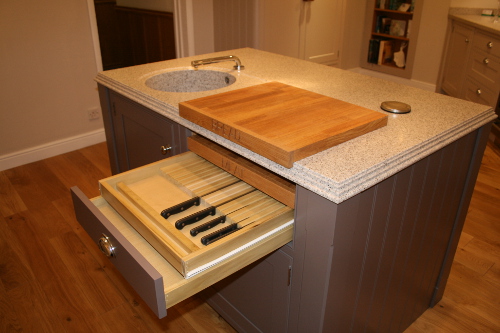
{"points": [[390, 36]]}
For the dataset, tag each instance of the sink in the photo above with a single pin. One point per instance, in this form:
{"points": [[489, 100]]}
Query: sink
{"points": [[190, 80]]}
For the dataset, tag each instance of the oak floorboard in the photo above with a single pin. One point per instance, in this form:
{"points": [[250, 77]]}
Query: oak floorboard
{"points": [[87, 273], [10, 201], [60, 288]]}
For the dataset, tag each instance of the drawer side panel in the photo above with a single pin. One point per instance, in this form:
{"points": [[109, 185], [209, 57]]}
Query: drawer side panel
{"points": [[143, 277]]}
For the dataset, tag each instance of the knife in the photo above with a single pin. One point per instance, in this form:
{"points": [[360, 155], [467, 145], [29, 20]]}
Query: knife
{"points": [[216, 199], [259, 211], [202, 188], [228, 208]]}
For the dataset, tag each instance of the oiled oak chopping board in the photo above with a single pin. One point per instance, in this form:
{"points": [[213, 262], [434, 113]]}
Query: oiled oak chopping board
{"points": [[281, 122]]}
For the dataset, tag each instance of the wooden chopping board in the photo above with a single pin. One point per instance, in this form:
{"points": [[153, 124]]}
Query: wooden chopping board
{"points": [[281, 122]]}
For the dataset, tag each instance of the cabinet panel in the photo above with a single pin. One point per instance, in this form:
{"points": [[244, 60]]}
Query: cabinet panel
{"points": [[142, 136], [259, 307], [487, 43], [479, 93], [457, 56], [485, 69]]}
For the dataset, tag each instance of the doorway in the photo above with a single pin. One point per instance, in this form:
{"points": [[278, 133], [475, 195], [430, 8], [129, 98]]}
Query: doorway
{"points": [[130, 36]]}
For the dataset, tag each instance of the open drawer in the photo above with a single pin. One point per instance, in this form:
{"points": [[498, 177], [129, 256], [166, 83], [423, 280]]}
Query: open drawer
{"points": [[127, 225]]}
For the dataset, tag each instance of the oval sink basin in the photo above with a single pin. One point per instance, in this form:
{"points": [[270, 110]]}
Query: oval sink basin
{"points": [[190, 81]]}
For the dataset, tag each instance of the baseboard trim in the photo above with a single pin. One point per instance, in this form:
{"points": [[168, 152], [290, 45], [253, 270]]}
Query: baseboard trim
{"points": [[408, 82], [50, 149]]}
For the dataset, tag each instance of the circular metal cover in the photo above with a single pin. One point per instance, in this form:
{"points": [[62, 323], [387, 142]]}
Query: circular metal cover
{"points": [[395, 107]]}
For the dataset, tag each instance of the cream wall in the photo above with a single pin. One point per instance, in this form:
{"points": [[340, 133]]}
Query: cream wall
{"points": [[431, 40], [47, 66]]}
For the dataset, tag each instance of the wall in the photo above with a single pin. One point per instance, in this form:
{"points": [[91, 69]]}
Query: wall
{"points": [[47, 65], [431, 41], [194, 27]]}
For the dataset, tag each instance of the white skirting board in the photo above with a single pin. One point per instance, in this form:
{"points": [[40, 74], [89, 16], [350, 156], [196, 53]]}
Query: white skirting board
{"points": [[411, 83], [50, 149]]}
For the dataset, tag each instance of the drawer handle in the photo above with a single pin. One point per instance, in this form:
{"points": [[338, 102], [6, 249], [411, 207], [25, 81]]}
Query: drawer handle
{"points": [[486, 61], [106, 247], [165, 149], [467, 40], [479, 92], [490, 45]]}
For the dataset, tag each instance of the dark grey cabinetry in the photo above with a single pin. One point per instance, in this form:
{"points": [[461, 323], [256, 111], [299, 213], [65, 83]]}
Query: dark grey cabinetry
{"points": [[373, 263], [136, 135], [257, 298]]}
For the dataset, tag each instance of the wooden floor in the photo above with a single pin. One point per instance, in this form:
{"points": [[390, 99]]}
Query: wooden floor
{"points": [[53, 278]]}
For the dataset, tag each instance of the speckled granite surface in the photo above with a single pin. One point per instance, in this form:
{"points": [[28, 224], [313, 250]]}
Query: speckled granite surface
{"points": [[345, 170], [473, 17]]}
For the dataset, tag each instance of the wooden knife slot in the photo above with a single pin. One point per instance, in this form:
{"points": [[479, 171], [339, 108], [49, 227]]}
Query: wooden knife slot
{"points": [[140, 196]]}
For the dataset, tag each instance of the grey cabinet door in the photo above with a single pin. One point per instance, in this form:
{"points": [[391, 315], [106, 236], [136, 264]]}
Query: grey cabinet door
{"points": [[459, 44], [142, 136], [256, 299]]}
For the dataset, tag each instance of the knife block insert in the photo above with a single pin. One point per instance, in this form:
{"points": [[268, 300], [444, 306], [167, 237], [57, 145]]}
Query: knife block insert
{"points": [[140, 196]]}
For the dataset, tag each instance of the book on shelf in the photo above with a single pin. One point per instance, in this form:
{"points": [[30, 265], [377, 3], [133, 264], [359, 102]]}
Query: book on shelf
{"points": [[373, 51], [386, 52], [397, 28], [381, 4], [383, 25]]}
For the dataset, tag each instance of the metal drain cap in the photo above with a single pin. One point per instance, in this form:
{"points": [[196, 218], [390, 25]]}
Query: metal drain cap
{"points": [[395, 107]]}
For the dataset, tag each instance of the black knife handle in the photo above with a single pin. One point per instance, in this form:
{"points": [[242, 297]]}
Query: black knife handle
{"points": [[190, 219], [216, 235], [208, 225], [166, 213]]}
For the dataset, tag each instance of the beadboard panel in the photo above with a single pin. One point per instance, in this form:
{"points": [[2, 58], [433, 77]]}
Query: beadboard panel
{"points": [[147, 36], [377, 261]]}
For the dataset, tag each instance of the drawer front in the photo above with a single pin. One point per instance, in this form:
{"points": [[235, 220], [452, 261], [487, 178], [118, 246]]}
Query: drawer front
{"points": [[136, 269], [485, 69], [487, 43], [158, 283], [479, 93]]}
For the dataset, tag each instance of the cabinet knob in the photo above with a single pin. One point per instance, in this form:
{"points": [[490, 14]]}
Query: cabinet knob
{"points": [[489, 45], [106, 247], [466, 40], [165, 149], [478, 91], [486, 61]]}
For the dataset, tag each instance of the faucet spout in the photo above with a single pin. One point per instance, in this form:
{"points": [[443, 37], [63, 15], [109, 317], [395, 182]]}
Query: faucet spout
{"points": [[238, 66]]}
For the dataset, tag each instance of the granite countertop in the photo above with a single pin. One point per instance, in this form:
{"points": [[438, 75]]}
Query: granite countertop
{"points": [[342, 171], [482, 22]]}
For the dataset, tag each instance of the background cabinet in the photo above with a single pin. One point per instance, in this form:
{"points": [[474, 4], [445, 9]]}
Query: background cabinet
{"points": [[390, 36], [457, 54], [136, 135], [471, 68]]}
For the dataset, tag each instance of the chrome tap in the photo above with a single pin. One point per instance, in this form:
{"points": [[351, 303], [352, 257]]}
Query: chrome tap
{"points": [[238, 66]]}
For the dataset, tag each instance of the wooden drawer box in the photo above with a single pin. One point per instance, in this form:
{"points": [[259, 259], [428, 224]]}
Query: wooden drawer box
{"points": [[165, 263]]}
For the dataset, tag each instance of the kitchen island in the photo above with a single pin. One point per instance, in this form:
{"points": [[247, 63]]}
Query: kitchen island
{"points": [[377, 218]]}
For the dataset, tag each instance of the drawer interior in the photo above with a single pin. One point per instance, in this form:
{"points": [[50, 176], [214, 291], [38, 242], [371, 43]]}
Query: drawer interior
{"points": [[177, 288], [141, 195]]}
